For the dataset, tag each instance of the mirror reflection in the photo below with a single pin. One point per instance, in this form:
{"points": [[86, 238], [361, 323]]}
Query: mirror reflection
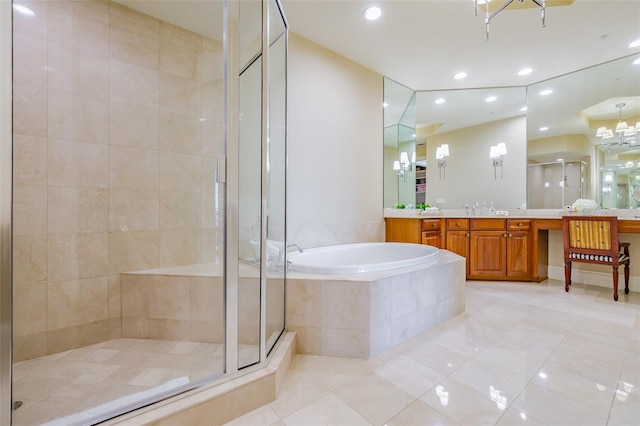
{"points": [[567, 121], [475, 143], [560, 138], [400, 157]]}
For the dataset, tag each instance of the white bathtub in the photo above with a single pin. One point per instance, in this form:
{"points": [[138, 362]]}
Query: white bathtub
{"points": [[359, 258]]}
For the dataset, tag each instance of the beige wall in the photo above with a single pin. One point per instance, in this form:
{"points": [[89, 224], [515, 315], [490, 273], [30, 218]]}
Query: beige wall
{"points": [[470, 172], [113, 163], [334, 182]]}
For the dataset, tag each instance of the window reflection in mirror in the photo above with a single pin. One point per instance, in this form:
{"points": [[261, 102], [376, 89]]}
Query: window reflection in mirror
{"points": [[399, 145]]}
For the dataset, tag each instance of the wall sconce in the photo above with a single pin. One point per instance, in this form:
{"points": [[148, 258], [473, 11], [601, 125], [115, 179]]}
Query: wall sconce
{"points": [[497, 153], [404, 165], [442, 152]]}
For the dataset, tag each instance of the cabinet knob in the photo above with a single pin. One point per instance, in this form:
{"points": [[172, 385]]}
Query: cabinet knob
{"points": [[505, 235], [510, 235], [519, 223]]}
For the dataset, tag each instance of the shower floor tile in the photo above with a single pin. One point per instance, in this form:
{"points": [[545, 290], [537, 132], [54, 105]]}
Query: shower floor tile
{"points": [[65, 383]]}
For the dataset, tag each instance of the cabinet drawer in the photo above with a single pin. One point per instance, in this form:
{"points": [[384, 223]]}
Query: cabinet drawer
{"points": [[518, 224], [457, 224], [492, 224], [431, 224]]}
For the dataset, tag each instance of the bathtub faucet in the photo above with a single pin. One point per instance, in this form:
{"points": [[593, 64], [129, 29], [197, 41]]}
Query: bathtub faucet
{"points": [[295, 246]]}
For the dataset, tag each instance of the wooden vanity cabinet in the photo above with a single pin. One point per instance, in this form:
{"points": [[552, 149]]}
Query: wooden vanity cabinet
{"points": [[433, 233], [519, 249], [403, 230], [499, 249], [457, 236], [495, 248]]}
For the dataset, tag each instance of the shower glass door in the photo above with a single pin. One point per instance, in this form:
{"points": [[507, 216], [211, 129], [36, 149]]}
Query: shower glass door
{"points": [[118, 229], [276, 177], [261, 180]]}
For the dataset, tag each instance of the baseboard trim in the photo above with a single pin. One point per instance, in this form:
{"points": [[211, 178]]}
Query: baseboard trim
{"points": [[599, 279]]}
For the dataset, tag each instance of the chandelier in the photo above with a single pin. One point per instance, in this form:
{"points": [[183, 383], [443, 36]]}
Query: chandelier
{"points": [[489, 16], [625, 134]]}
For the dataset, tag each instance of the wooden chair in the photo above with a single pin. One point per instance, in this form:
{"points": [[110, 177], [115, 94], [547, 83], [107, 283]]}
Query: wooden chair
{"points": [[594, 239]]}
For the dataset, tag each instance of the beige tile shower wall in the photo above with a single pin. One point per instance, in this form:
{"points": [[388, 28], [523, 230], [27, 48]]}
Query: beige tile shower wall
{"points": [[117, 121], [172, 307]]}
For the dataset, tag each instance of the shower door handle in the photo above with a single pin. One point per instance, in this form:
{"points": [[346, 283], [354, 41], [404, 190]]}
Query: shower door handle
{"points": [[220, 174]]}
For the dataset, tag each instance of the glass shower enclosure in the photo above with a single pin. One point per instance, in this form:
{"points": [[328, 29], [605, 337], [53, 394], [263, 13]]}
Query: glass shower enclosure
{"points": [[142, 203], [556, 184]]}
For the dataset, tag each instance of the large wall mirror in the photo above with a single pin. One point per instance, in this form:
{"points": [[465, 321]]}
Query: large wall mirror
{"points": [[399, 145], [461, 129], [563, 122], [553, 155]]}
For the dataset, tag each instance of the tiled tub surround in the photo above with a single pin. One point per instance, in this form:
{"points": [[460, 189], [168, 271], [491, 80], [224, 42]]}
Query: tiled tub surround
{"points": [[117, 122], [187, 303], [362, 315]]}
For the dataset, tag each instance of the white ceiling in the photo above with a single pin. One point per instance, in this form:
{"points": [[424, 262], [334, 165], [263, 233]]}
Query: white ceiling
{"points": [[422, 44]]}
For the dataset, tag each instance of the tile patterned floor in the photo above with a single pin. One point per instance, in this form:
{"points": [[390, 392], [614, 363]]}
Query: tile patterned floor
{"points": [[522, 354], [69, 382]]}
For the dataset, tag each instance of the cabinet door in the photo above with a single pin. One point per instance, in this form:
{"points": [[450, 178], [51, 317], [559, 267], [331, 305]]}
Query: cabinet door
{"points": [[487, 256], [403, 230], [518, 255], [458, 242], [432, 238]]}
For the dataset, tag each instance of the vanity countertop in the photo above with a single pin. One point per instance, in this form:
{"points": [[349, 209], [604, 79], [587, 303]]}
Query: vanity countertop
{"points": [[626, 214]]}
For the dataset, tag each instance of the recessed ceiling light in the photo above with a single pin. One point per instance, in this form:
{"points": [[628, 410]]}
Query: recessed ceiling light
{"points": [[460, 75], [544, 128], [636, 62], [384, 105], [546, 92], [561, 159], [523, 109], [491, 99], [635, 43], [440, 100], [372, 13], [525, 71], [23, 9]]}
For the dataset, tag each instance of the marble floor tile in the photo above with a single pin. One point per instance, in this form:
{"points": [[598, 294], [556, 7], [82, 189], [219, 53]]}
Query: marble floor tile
{"points": [[328, 410], [501, 385], [374, 398], [521, 354], [300, 388], [555, 409], [513, 417], [438, 358], [409, 375], [264, 415], [419, 413], [576, 387], [463, 404]]}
